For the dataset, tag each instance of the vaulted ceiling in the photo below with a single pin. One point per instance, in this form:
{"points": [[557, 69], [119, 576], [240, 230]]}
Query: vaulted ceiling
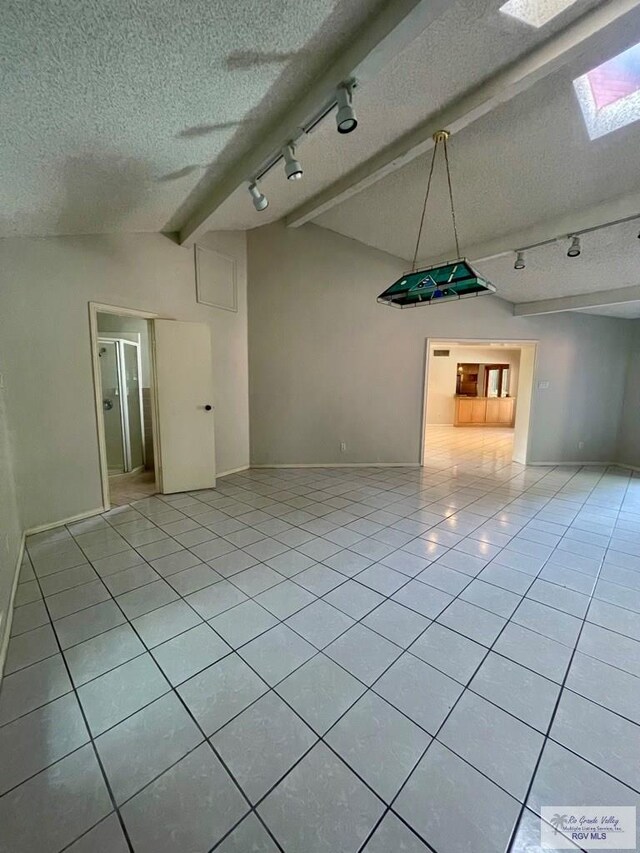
{"points": [[113, 110], [140, 116]]}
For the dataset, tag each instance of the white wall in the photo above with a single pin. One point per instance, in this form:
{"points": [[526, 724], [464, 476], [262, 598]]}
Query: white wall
{"points": [[629, 436], [10, 522], [327, 363], [441, 387], [44, 327]]}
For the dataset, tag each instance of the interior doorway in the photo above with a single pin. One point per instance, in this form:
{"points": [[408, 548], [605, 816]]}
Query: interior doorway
{"points": [[477, 402], [154, 403], [123, 371]]}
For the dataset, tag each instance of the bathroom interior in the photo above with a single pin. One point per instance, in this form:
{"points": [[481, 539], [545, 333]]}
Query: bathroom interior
{"points": [[125, 374]]}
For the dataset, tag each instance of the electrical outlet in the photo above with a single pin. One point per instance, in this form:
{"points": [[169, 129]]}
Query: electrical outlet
{"points": [[343, 446], [543, 384], [581, 445]]}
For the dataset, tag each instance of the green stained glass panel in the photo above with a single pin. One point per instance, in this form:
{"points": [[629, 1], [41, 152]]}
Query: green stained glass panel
{"points": [[440, 283]]}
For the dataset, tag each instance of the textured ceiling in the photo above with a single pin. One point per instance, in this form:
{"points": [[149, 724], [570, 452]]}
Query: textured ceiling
{"points": [[112, 109], [468, 43], [118, 115], [610, 259], [529, 161]]}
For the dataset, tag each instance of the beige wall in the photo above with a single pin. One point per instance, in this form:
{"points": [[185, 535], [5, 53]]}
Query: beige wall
{"points": [[44, 327], [441, 387], [328, 364], [629, 436], [10, 522]]}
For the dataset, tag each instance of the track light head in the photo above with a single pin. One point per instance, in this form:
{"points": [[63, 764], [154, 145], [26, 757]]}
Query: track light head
{"points": [[574, 248], [519, 264], [346, 120], [260, 201], [292, 168]]}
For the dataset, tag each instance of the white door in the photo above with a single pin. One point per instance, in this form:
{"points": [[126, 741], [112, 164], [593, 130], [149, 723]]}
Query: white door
{"points": [[184, 389]]}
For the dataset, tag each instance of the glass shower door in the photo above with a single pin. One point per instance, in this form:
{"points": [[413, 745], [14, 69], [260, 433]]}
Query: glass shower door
{"points": [[111, 405], [122, 404], [131, 376]]}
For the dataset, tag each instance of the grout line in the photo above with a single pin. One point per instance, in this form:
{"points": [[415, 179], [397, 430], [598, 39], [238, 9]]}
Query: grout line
{"points": [[91, 739], [562, 688], [385, 598], [173, 690], [435, 737]]}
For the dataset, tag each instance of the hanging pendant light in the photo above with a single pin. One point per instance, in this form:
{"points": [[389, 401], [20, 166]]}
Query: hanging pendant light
{"points": [[443, 282]]}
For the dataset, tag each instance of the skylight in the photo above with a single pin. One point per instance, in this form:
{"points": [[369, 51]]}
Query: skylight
{"points": [[535, 12], [609, 95]]}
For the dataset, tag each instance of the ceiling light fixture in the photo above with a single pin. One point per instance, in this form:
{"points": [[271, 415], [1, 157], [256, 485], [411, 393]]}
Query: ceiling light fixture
{"points": [[519, 264], [574, 248], [260, 201], [346, 120], [339, 101], [559, 240], [442, 282], [292, 168]]}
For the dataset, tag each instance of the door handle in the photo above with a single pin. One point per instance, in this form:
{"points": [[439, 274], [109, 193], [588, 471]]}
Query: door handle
{"points": [[208, 407]]}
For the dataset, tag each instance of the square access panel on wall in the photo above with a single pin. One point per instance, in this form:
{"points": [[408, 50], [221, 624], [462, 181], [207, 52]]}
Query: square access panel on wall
{"points": [[216, 283]]}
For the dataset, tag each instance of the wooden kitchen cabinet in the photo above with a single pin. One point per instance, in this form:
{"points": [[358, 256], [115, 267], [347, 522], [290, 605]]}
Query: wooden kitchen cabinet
{"points": [[484, 411]]}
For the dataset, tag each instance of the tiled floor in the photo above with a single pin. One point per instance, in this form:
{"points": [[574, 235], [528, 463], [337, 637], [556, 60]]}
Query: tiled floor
{"points": [[455, 445], [126, 488], [328, 661]]}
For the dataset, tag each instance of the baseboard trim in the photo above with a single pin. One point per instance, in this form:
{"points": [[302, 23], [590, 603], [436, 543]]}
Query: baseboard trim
{"points": [[233, 471], [582, 462], [345, 465], [80, 517], [6, 634], [572, 462]]}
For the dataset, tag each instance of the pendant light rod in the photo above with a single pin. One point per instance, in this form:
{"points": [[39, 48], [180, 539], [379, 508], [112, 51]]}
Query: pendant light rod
{"points": [[440, 137], [424, 209], [444, 134]]}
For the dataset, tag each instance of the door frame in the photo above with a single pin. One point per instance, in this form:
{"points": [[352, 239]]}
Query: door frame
{"points": [[526, 383], [96, 308]]}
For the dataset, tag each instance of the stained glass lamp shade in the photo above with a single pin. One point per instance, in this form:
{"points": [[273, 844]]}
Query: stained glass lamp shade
{"points": [[440, 283]]}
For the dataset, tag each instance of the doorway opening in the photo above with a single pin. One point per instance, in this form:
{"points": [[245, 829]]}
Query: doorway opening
{"points": [[153, 388], [477, 402], [123, 373]]}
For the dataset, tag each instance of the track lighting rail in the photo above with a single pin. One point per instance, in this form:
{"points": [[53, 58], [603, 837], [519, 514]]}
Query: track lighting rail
{"points": [[346, 122]]}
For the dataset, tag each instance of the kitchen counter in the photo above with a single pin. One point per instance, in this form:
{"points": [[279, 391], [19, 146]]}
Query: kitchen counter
{"points": [[484, 411]]}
